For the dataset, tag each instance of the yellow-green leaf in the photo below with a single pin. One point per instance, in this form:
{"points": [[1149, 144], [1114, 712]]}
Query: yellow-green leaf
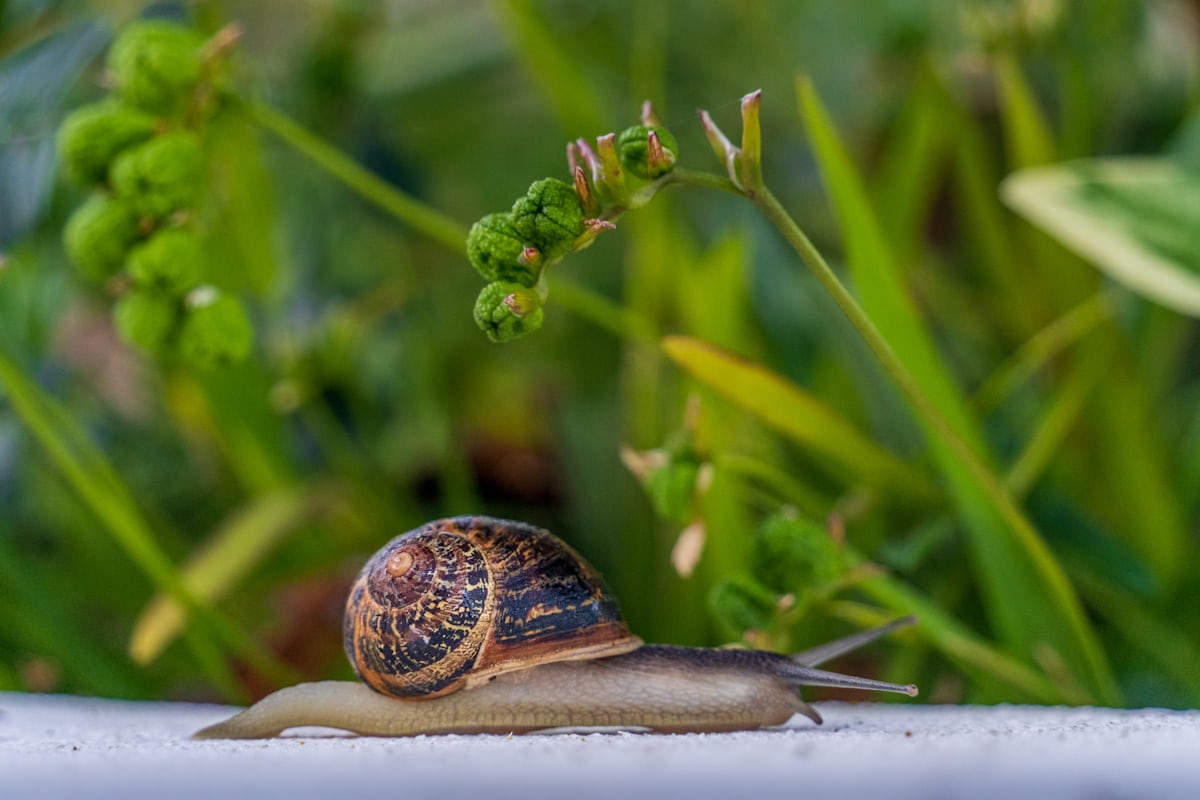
{"points": [[797, 414]]}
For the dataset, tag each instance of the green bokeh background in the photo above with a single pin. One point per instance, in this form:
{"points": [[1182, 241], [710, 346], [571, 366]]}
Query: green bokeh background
{"points": [[372, 402]]}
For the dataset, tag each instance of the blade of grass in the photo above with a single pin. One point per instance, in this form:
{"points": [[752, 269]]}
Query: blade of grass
{"points": [[986, 227], [578, 102], [1029, 138], [1047, 343], [797, 414], [1007, 551], [38, 617], [1134, 463], [621, 321], [229, 553], [911, 166], [962, 646], [230, 408], [98, 486], [1149, 631], [1055, 422]]}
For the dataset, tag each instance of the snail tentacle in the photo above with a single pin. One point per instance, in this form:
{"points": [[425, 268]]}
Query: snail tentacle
{"points": [[815, 656]]}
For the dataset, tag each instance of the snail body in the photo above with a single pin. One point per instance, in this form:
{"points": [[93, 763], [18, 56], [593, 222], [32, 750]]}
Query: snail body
{"points": [[478, 625]]}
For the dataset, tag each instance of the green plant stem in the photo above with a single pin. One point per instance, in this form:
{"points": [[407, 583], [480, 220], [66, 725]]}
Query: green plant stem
{"points": [[621, 321], [706, 180], [440, 228]]}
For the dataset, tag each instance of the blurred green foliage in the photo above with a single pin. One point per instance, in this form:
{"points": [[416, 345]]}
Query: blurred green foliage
{"points": [[173, 531]]}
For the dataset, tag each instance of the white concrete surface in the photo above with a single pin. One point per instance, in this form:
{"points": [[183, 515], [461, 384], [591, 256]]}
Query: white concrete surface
{"points": [[67, 747]]}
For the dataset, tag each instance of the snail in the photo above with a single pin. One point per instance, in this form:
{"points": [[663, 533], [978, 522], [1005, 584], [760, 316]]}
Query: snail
{"points": [[481, 625]]}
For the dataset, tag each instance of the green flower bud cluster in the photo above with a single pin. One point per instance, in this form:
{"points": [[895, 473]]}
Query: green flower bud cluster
{"points": [[206, 328], [513, 250], [553, 219], [794, 561], [141, 150]]}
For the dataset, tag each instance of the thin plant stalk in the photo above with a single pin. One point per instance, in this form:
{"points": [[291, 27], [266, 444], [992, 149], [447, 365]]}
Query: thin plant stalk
{"points": [[440, 228]]}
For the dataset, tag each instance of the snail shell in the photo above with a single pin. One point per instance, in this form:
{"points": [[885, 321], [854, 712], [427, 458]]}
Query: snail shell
{"points": [[458, 601]]}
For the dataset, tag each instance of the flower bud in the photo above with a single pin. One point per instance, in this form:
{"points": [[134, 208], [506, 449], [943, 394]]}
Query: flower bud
{"points": [[507, 311], [99, 234], [796, 555], [672, 487], [742, 604], [92, 136], [160, 176], [549, 217], [171, 260], [647, 152], [498, 253], [156, 65], [216, 330], [146, 319]]}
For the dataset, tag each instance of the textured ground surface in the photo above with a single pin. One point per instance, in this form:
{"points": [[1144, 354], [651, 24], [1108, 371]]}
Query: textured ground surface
{"points": [[60, 747]]}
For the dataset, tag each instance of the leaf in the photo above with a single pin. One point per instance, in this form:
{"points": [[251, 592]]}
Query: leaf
{"points": [[1136, 219], [797, 414]]}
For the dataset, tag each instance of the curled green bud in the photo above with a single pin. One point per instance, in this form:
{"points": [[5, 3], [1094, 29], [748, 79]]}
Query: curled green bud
{"points": [[549, 217], [171, 260], [672, 488], [156, 65], [507, 311], [794, 555], [216, 330], [92, 136], [146, 319], [742, 604], [647, 152], [498, 253], [160, 176], [99, 235]]}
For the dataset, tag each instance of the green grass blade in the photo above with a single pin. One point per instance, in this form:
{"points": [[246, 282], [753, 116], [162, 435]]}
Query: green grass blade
{"points": [[621, 321], [912, 164], [1047, 343], [1029, 138], [101, 490], [230, 553], [1140, 218], [35, 614], [1029, 599], [797, 414], [963, 647], [1151, 632], [557, 70], [1055, 422], [88, 474]]}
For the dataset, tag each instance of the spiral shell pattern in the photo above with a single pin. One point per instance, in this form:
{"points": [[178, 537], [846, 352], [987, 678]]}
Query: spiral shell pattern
{"points": [[459, 600]]}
